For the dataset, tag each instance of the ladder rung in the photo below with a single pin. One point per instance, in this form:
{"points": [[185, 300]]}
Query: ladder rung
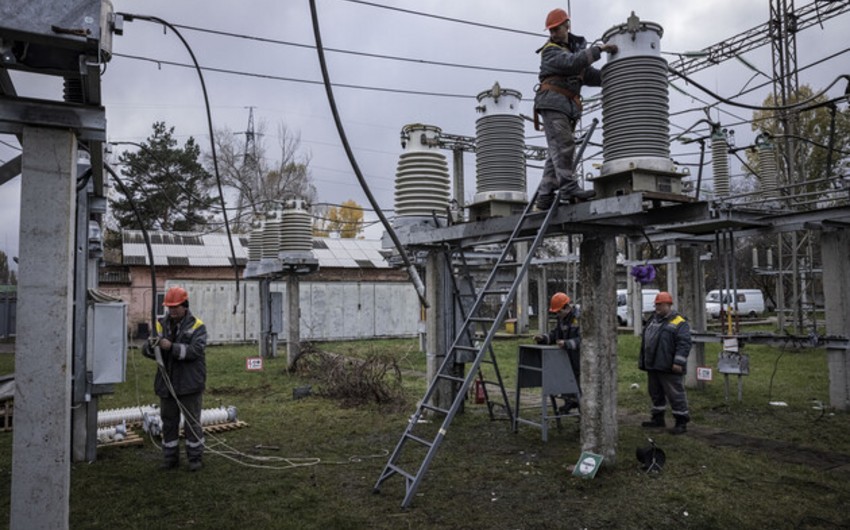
{"points": [[401, 472], [451, 378], [434, 408], [419, 440], [523, 238], [509, 264], [467, 348], [497, 291], [481, 319]]}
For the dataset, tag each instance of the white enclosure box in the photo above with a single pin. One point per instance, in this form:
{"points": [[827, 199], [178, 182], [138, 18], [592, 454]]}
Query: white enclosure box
{"points": [[107, 342]]}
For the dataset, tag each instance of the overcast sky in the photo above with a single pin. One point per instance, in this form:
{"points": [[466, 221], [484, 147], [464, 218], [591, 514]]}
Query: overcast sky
{"points": [[137, 93]]}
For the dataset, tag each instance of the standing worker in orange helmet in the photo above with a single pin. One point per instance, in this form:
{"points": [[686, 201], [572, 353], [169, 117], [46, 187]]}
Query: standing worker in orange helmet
{"points": [[565, 63], [664, 350], [181, 378], [566, 335]]}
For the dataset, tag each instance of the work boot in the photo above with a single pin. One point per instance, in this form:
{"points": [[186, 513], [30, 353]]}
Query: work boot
{"points": [[657, 421], [681, 425], [544, 202], [195, 465], [577, 195]]}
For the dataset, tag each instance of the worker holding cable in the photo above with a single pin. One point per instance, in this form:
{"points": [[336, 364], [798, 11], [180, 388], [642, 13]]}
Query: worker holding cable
{"points": [[178, 348], [565, 66]]}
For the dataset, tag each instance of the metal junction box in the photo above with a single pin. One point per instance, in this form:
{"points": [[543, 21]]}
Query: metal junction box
{"points": [[653, 184], [107, 342], [48, 36]]}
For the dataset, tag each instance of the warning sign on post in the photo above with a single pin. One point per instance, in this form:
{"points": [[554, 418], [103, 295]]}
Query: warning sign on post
{"points": [[254, 364], [703, 373]]}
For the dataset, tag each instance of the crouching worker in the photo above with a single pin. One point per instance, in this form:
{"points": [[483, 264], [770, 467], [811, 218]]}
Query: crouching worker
{"points": [[180, 378], [565, 335], [664, 351]]}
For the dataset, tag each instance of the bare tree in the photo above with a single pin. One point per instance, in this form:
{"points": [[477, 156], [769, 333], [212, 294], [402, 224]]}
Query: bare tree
{"points": [[259, 181]]}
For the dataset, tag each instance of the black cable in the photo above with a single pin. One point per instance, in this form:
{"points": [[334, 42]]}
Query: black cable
{"points": [[799, 106], [352, 52], [414, 276], [130, 17], [147, 239], [448, 19], [297, 80]]}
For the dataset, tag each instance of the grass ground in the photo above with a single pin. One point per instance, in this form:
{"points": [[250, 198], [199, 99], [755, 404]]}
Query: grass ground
{"points": [[742, 465]]}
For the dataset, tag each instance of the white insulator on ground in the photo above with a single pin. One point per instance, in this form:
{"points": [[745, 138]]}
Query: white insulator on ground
{"points": [[114, 433], [125, 415], [152, 424]]}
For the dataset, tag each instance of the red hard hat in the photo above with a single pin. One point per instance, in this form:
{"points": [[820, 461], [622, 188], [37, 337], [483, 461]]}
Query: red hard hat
{"points": [[556, 17], [663, 298], [175, 296], [558, 302]]}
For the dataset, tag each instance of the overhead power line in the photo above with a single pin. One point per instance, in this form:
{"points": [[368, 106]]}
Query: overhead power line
{"points": [[448, 19], [356, 53], [295, 79]]}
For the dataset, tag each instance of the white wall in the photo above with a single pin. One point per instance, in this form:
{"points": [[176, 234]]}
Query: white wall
{"points": [[329, 310]]}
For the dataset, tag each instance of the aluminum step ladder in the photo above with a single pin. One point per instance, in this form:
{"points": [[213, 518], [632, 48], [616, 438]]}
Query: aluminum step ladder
{"points": [[464, 292], [415, 450]]}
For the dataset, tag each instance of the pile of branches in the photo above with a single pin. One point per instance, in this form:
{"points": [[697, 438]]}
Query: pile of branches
{"points": [[354, 381]]}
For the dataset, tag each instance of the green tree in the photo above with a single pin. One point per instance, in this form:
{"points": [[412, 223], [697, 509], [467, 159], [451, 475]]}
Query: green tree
{"points": [[166, 183], [346, 219], [811, 138]]}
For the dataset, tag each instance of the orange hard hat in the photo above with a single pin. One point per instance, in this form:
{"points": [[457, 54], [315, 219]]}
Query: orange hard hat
{"points": [[558, 302], [175, 296], [663, 298], [556, 17]]}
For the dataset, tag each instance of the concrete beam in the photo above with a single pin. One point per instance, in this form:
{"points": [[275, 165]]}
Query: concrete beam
{"points": [[41, 448]]}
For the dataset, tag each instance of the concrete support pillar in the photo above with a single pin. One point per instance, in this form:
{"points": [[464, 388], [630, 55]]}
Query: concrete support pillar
{"points": [[599, 347], [692, 305], [268, 339], [836, 290], [41, 447], [439, 317], [293, 320]]}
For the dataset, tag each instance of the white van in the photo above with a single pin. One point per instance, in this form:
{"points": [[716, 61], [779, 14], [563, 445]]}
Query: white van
{"points": [[750, 302], [624, 307]]}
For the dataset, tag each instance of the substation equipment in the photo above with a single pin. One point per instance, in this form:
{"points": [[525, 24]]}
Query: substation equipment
{"points": [[280, 248], [641, 196]]}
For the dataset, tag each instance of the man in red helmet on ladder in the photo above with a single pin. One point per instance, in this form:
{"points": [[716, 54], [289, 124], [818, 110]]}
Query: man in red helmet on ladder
{"points": [[565, 63], [178, 348]]}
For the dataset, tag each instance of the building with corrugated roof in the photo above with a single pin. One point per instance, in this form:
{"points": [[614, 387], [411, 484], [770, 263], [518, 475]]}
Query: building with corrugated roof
{"points": [[204, 263]]}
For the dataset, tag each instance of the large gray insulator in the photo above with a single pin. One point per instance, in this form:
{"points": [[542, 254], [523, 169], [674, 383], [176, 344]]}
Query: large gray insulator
{"points": [[635, 103], [422, 186], [296, 233], [255, 242], [271, 235], [499, 146], [720, 163], [768, 168]]}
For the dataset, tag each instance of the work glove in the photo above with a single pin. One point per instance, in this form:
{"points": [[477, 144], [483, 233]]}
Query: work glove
{"points": [[539, 339], [570, 344]]}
